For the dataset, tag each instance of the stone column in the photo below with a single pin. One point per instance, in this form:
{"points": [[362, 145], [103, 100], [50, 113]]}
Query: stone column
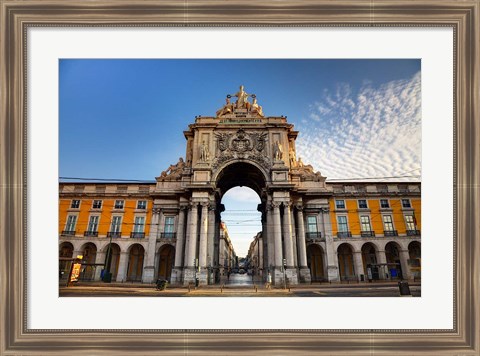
{"points": [[99, 259], [202, 253], [191, 247], [382, 269], [304, 271], [358, 261], [277, 235], [211, 236], [331, 254], [270, 240], [404, 257], [291, 271], [149, 264], [178, 266], [122, 267]]}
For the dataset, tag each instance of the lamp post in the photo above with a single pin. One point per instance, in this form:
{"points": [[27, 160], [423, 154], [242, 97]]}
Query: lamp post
{"points": [[284, 273]]}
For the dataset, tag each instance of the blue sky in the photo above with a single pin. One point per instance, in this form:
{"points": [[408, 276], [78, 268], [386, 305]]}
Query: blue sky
{"points": [[124, 119]]}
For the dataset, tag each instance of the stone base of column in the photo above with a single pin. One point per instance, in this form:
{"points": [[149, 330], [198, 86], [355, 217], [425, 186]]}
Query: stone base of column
{"points": [[148, 274], [277, 276], [189, 275], [202, 277], [292, 276], [333, 275], [176, 277], [304, 275]]}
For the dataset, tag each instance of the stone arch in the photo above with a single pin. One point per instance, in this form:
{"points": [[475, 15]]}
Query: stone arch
{"points": [[166, 260], [414, 250], [369, 259], [89, 253], [136, 255], [240, 173], [65, 252], [315, 262], [392, 255], [345, 261], [112, 259]]}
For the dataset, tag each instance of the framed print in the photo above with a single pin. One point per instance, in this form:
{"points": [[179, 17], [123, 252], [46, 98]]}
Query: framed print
{"points": [[42, 41]]}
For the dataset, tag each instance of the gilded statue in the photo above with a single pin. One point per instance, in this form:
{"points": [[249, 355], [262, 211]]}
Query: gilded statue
{"points": [[255, 108], [242, 99]]}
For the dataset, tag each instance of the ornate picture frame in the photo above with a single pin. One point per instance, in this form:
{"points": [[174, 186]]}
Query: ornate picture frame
{"points": [[17, 16]]}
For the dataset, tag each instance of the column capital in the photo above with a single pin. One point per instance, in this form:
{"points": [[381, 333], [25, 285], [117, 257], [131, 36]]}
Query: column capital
{"points": [[193, 204], [299, 207], [287, 203], [183, 207], [325, 210], [205, 204], [275, 204]]}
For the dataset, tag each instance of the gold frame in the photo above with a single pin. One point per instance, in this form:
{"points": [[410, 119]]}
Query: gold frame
{"points": [[17, 15]]}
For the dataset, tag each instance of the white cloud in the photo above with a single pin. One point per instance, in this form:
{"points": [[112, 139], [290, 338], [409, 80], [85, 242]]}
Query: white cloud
{"points": [[375, 132]]}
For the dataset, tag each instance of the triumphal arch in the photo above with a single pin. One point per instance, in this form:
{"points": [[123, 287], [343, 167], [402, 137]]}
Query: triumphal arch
{"points": [[240, 146]]}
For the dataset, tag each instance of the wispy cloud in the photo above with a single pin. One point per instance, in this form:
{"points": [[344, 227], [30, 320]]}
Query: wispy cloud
{"points": [[372, 132]]}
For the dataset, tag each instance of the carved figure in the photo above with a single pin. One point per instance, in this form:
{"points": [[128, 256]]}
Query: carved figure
{"points": [[204, 153], [242, 99], [227, 109], [300, 163], [277, 151], [174, 171], [293, 159], [257, 109]]}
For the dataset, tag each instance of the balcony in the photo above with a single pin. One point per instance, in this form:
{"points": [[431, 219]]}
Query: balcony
{"points": [[413, 232], [137, 235], [367, 233], [91, 233], [313, 235], [168, 235], [343, 234], [390, 233], [114, 234], [68, 232]]}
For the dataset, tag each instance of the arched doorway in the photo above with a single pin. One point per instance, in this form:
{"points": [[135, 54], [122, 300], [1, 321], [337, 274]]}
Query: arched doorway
{"points": [[89, 253], [65, 259], [345, 262], [369, 257], [414, 252], [392, 254], [166, 260], [135, 263], [112, 259], [315, 263]]}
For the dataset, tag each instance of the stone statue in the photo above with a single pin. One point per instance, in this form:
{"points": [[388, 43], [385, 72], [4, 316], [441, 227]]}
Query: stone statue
{"points": [[300, 163], [227, 109], [242, 99], [277, 151], [174, 171], [293, 159], [257, 109], [204, 153]]}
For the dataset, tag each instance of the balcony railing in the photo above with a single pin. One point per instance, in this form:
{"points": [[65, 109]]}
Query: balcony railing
{"points": [[137, 235], [114, 234], [313, 235], [413, 232], [168, 235], [367, 233], [342, 234], [390, 233], [68, 232], [90, 233]]}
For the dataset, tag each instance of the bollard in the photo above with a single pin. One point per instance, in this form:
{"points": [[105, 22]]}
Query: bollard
{"points": [[289, 289], [256, 289], [189, 288]]}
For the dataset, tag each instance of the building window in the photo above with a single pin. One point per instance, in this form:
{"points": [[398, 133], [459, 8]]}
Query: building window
{"points": [[139, 225], [406, 203], [312, 223], [365, 223], [168, 230], [342, 224], [75, 204], [410, 221], [116, 224], [142, 204], [362, 204], [118, 204], [387, 223], [384, 204], [97, 204], [340, 204], [93, 223], [70, 226]]}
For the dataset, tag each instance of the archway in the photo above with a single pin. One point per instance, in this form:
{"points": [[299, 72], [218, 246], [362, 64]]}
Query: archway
{"points": [[369, 258], [135, 262], [240, 189], [345, 262], [392, 254], [165, 263], [315, 263], [414, 252], [89, 253], [65, 259], [112, 260]]}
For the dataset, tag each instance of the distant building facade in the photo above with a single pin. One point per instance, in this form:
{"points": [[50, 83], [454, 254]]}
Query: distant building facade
{"points": [[312, 230]]}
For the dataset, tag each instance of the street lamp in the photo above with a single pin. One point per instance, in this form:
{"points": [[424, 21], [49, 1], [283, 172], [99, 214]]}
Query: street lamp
{"points": [[284, 273]]}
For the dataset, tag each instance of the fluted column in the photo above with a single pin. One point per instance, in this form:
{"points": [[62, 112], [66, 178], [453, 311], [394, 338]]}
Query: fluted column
{"points": [[180, 238], [211, 235], [332, 258], [149, 265], [301, 244], [287, 235], [270, 240], [192, 235], [277, 234], [202, 254], [122, 267]]}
